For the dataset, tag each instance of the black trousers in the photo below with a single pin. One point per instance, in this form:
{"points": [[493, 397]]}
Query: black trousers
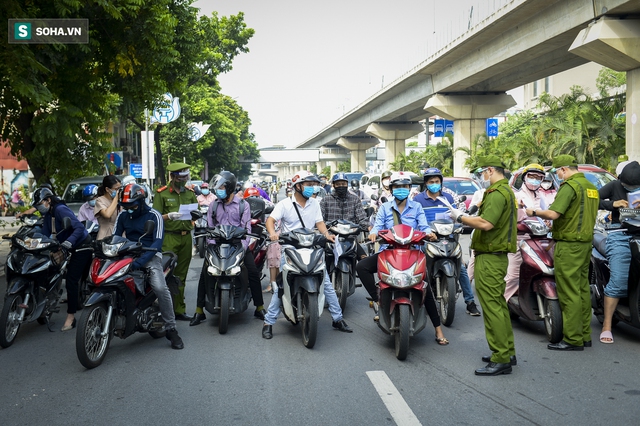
{"points": [[252, 274], [368, 266], [77, 264]]}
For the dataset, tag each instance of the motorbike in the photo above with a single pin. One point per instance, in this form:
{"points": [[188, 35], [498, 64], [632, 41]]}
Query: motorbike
{"points": [[34, 271], [301, 281], [341, 257], [402, 286], [444, 259], [121, 302], [628, 308], [258, 241], [83, 286], [537, 297], [200, 231]]}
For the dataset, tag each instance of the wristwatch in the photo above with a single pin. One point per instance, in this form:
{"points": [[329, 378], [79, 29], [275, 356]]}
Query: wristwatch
{"points": [[459, 219]]}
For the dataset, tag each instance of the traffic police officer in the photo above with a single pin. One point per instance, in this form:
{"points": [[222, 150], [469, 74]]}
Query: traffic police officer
{"points": [[495, 235], [574, 214], [177, 233]]}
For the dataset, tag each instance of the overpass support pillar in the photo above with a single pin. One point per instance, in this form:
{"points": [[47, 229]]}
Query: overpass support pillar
{"points": [[358, 147], [394, 135], [615, 43], [469, 113]]}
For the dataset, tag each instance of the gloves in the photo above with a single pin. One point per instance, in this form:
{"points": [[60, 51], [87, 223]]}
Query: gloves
{"points": [[174, 215], [455, 214], [67, 245]]}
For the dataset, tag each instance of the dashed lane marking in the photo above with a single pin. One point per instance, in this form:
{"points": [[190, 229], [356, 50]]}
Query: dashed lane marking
{"points": [[395, 403]]}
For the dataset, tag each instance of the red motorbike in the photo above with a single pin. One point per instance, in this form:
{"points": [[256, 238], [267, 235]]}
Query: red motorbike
{"points": [[402, 287], [537, 298]]}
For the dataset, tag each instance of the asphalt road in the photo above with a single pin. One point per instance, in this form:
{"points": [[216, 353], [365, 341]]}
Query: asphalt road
{"points": [[241, 379]]}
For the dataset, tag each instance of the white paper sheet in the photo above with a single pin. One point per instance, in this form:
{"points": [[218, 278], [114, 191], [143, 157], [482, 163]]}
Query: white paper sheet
{"points": [[186, 209]]}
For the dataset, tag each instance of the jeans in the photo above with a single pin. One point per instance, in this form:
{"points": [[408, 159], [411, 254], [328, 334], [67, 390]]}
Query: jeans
{"points": [[329, 294], [159, 286], [465, 284], [619, 257]]}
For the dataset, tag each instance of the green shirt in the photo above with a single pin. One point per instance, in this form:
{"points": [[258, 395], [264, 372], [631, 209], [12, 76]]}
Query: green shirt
{"points": [[498, 207], [168, 200], [577, 202]]}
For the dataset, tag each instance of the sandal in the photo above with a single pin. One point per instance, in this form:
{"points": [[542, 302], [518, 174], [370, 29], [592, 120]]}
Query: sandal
{"points": [[606, 337], [442, 341]]}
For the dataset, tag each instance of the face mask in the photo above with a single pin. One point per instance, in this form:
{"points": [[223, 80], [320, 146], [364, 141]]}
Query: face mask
{"points": [[42, 209], [180, 184], [385, 183], [205, 192], [307, 192], [130, 211], [113, 194], [401, 193], [533, 184], [545, 185], [629, 188], [434, 187], [92, 203], [221, 193], [341, 191]]}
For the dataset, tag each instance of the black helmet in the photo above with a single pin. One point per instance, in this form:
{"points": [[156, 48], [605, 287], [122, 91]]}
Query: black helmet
{"points": [[131, 194], [355, 183], [432, 172], [226, 180], [41, 194]]}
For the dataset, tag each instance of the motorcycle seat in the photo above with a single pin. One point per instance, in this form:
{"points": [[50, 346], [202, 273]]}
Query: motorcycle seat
{"points": [[600, 242]]}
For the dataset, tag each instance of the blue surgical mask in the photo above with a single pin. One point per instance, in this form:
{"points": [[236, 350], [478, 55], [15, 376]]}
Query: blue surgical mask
{"points": [[221, 193], [401, 193], [534, 182], [205, 192], [130, 211], [307, 192], [92, 203], [434, 187], [113, 194]]}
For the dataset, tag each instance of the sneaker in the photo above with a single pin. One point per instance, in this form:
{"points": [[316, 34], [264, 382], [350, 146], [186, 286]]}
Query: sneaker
{"points": [[176, 341], [472, 309]]}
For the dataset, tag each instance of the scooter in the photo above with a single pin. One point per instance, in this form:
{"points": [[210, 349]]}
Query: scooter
{"points": [[34, 271], [122, 301], [301, 281], [341, 259], [628, 308], [200, 231], [537, 297], [402, 287]]}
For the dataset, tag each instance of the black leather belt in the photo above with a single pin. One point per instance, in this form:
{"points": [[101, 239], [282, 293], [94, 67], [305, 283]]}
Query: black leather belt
{"points": [[478, 253], [178, 232]]}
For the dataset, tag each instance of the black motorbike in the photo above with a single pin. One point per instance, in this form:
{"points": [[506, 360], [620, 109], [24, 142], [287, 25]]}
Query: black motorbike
{"points": [[343, 270], [34, 271], [628, 308], [122, 301], [200, 231]]}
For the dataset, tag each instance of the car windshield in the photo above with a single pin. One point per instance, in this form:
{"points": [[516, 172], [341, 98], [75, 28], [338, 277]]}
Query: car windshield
{"points": [[73, 194], [599, 179], [461, 187]]}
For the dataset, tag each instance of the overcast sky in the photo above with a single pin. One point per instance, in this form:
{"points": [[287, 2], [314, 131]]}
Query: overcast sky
{"points": [[312, 61]]}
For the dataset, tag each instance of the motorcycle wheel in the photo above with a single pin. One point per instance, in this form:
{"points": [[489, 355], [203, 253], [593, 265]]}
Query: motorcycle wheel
{"points": [[447, 306], [402, 332], [341, 286], [223, 323], [553, 320], [309, 319], [201, 248], [9, 324], [91, 346]]}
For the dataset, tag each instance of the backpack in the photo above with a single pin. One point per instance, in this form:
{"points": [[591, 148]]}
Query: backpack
{"points": [[241, 208]]}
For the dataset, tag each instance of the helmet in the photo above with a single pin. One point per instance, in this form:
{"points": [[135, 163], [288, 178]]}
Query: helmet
{"points": [[339, 176], [89, 192], [131, 194], [251, 192], [533, 167], [226, 180], [304, 176], [355, 183], [204, 185], [399, 178], [432, 172], [128, 179], [384, 176], [322, 175], [41, 194]]}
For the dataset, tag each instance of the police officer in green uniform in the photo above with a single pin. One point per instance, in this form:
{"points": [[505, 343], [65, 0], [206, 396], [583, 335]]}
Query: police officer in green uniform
{"points": [[573, 212], [177, 233], [495, 235]]}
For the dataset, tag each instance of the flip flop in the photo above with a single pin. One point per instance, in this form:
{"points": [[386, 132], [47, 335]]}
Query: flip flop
{"points": [[606, 337], [442, 341]]}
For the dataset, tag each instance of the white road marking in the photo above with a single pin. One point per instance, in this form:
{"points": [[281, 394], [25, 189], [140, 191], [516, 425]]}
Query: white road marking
{"points": [[398, 408]]}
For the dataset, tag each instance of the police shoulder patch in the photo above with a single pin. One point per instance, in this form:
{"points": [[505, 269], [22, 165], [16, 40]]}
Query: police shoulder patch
{"points": [[592, 193], [162, 188]]}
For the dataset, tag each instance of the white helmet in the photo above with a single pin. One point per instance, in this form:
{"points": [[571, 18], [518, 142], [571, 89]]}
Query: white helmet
{"points": [[127, 180], [399, 178], [304, 176]]}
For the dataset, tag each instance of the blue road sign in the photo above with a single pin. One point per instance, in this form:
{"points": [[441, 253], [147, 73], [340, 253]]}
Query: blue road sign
{"points": [[135, 170], [492, 127], [448, 126], [438, 128]]}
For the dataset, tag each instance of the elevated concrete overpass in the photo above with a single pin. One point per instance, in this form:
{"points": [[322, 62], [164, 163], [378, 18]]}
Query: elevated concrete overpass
{"points": [[466, 80]]}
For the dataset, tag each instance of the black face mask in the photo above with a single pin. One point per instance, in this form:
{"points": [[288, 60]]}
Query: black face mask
{"points": [[341, 191]]}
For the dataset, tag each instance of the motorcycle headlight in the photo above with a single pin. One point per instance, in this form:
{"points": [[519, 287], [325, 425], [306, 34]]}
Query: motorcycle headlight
{"points": [[442, 228], [342, 229], [212, 270], [234, 270], [537, 227], [32, 243], [30, 221], [306, 240], [399, 278], [121, 272], [111, 250]]}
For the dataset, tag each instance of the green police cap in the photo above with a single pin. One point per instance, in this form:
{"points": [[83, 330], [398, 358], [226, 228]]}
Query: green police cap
{"points": [[564, 160], [176, 167], [490, 161]]}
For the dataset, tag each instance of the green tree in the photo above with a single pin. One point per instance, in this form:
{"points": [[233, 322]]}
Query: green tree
{"points": [[344, 166]]}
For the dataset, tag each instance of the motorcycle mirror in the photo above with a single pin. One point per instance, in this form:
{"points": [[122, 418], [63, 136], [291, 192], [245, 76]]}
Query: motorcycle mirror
{"points": [[384, 199], [473, 209], [149, 226], [374, 197], [196, 214], [462, 198], [66, 222], [269, 209]]}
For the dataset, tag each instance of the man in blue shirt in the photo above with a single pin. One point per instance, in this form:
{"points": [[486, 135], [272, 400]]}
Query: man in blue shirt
{"points": [[432, 205]]}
